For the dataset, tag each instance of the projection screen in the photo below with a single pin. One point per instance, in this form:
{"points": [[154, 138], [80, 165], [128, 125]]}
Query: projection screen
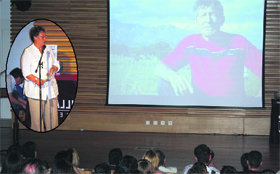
{"points": [[186, 53]]}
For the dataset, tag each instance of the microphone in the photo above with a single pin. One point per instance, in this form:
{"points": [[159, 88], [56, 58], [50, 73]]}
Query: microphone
{"points": [[40, 63], [43, 49]]}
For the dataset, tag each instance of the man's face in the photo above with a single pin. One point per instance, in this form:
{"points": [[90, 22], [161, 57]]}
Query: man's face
{"points": [[207, 21], [18, 81], [40, 39]]}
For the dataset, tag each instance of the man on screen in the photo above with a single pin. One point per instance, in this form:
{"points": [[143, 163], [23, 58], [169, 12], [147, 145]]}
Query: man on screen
{"points": [[212, 62]]}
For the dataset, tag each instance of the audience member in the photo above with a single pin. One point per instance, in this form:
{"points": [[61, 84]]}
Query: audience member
{"points": [[268, 171], [12, 163], [63, 163], [152, 156], [228, 169], [14, 148], [198, 168], [203, 154], [144, 166], [162, 163], [254, 161], [243, 161], [29, 150], [34, 166], [114, 158], [129, 164], [102, 168]]}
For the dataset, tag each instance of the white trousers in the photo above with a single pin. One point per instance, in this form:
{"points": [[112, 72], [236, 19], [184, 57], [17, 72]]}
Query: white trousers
{"points": [[49, 114]]}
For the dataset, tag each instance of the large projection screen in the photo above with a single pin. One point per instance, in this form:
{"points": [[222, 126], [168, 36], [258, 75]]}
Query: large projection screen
{"points": [[186, 53]]}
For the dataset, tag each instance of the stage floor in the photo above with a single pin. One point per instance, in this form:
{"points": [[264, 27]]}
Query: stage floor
{"points": [[93, 147]]}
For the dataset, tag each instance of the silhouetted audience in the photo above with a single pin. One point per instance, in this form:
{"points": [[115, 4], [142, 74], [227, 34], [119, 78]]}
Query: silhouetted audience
{"points": [[254, 161], [152, 156], [162, 163], [102, 168], [228, 170], [129, 164], [198, 168], [23, 160], [243, 161], [63, 163], [12, 163], [204, 155], [34, 166], [144, 166], [114, 157], [268, 171], [29, 150]]}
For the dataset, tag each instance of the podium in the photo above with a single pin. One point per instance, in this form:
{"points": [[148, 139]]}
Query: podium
{"points": [[275, 122]]}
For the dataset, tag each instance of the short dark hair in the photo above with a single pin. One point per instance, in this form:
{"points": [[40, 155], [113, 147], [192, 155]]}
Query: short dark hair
{"points": [[161, 157], [228, 169], [16, 72], [202, 152], [243, 161], [34, 32], [129, 164], [102, 168], [255, 159], [12, 163], [63, 162], [28, 149], [268, 171], [198, 167], [115, 156]]}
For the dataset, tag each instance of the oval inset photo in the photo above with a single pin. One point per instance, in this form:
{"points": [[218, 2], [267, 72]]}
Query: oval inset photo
{"points": [[41, 75]]}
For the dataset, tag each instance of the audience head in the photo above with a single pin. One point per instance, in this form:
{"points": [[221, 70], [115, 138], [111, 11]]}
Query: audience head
{"points": [[161, 157], [153, 158], [29, 150], [129, 164], [228, 169], [102, 168], [63, 163], [17, 74], [34, 166], [14, 148], [203, 154], [144, 166], [115, 156], [243, 161], [254, 160], [198, 168], [12, 163], [268, 171]]}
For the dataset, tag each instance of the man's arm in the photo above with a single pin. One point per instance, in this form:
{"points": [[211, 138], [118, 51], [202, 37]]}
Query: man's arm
{"points": [[18, 101], [179, 82]]}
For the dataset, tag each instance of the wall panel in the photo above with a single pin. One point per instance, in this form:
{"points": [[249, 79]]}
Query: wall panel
{"points": [[85, 22]]}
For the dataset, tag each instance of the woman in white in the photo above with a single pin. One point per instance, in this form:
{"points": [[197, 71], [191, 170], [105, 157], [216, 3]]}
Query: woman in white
{"points": [[49, 90]]}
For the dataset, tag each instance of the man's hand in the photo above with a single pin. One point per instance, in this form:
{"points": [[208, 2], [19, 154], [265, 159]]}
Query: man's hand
{"points": [[178, 81], [180, 84]]}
